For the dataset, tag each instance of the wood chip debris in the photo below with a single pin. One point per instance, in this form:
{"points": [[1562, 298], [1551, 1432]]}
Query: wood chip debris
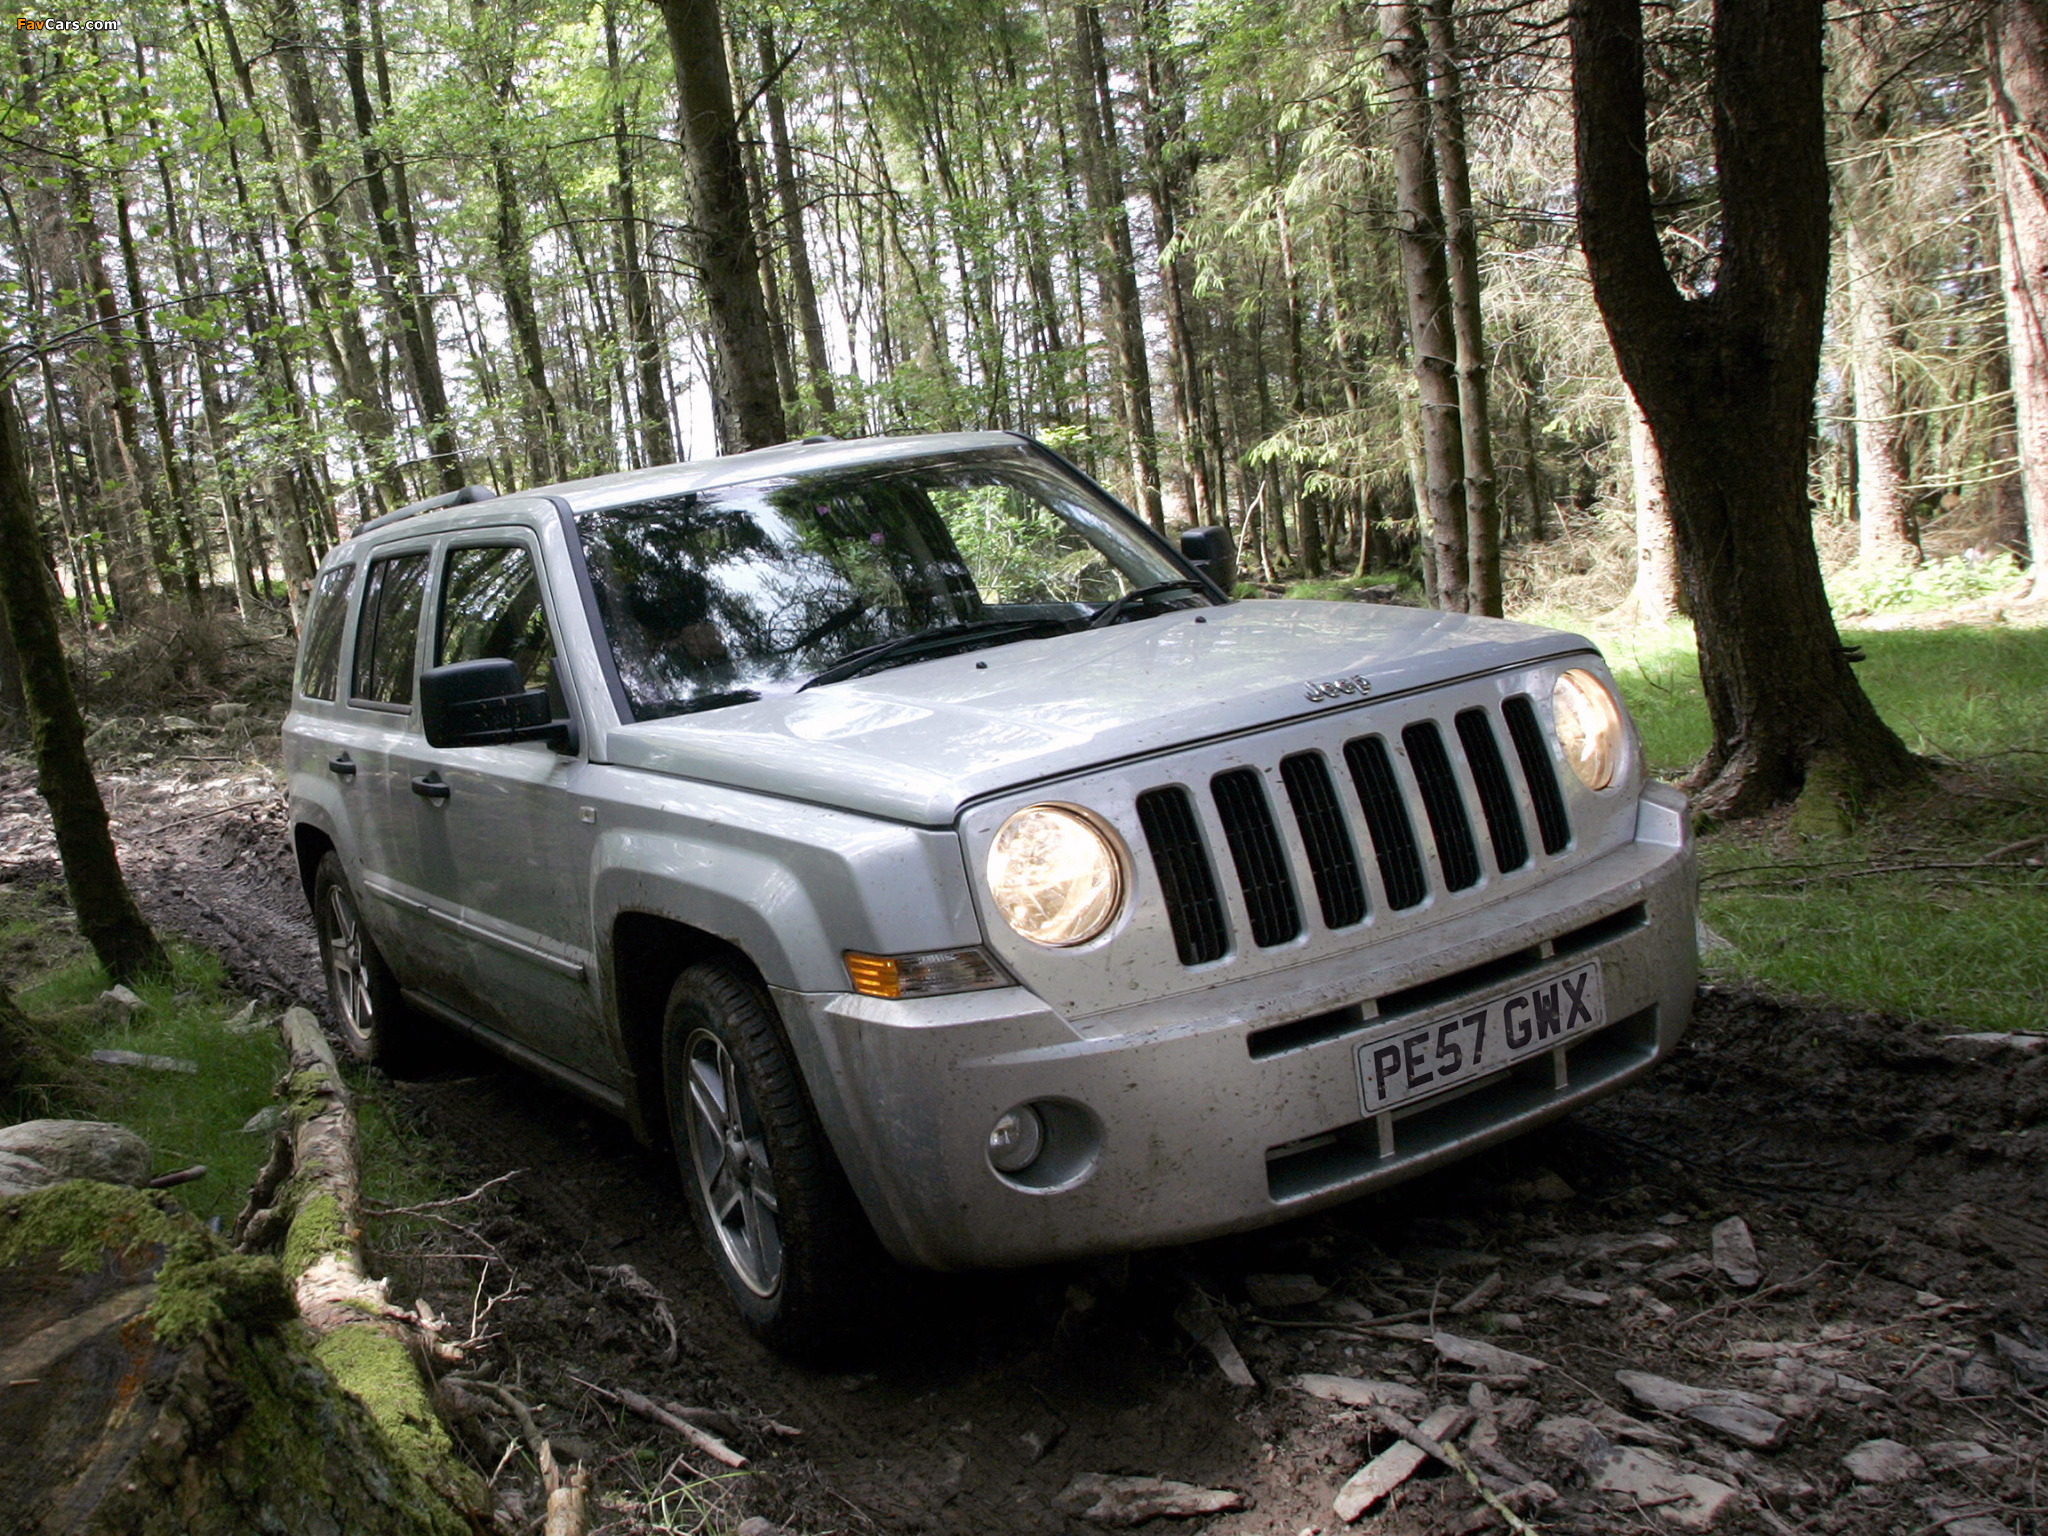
{"points": [[1357, 1392], [1197, 1314], [1479, 1295], [1488, 1359], [1396, 1464], [1121, 1501]]}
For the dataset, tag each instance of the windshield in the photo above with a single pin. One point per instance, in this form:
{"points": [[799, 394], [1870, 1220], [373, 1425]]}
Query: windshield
{"points": [[738, 592]]}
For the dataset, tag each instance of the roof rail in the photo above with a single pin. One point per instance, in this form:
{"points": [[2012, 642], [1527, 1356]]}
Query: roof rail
{"points": [[461, 498]]}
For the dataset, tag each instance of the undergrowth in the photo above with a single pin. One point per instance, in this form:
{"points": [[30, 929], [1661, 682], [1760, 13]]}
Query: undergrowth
{"points": [[188, 1118]]}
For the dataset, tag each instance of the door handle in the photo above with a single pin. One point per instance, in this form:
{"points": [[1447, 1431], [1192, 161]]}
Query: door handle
{"points": [[430, 786], [343, 765]]}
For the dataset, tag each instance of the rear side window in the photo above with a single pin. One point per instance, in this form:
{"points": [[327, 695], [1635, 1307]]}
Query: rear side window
{"points": [[389, 629], [320, 655]]}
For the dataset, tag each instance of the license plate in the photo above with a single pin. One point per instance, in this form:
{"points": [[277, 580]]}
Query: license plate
{"points": [[1484, 1038]]}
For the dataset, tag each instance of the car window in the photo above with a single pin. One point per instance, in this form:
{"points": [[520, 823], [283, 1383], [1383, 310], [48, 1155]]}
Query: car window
{"points": [[320, 656], [491, 607], [389, 628]]}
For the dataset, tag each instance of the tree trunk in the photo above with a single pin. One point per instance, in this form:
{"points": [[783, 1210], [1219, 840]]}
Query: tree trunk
{"points": [[1426, 281], [1884, 533], [2016, 36], [1655, 596], [1475, 428], [722, 235], [1116, 266], [1727, 383], [808, 319], [107, 914]]}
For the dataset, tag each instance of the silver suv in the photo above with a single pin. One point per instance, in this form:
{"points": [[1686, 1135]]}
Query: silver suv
{"points": [[933, 854]]}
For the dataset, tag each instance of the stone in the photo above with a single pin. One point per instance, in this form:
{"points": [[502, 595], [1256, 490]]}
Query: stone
{"points": [[1569, 1437], [1284, 1290], [1686, 1501], [1884, 1461], [1981, 1378], [2028, 1363], [19, 1175], [1600, 1245], [1395, 1465], [179, 725], [1956, 1454], [144, 1061], [1616, 1425], [753, 1525], [1121, 1501], [1740, 1416], [1357, 1392], [1572, 1295], [119, 1004], [80, 1149], [221, 714], [1990, 1043], [1489, 1359], [1735, 1254], [1693, 1266]]}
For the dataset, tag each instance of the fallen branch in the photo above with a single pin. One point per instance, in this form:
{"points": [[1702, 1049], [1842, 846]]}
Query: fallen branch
{"points": [[654, 1413], [1448, 1455]]}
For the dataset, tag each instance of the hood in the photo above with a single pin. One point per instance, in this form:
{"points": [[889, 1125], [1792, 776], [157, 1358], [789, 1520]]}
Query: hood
{"points": [[917, 742]]}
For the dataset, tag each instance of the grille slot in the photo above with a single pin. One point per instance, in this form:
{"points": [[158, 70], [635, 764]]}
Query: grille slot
{"points": [[1496, 797], [1256, 850], [1539, 772], [1446, 807], [1386, 817], [1175, 836], [1340, 887]]}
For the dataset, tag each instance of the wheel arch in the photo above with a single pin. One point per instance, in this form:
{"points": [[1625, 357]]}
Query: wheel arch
{"points": [[648, 951], [309, 844]]}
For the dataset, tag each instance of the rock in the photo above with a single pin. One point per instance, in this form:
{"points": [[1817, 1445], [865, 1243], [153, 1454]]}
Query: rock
{"points": [[1735, 1253], [19, 1175], [80, 1149], [1356, 1392], [1283, 1290], [1197, 1314], [1981, 1378], [1710, 942], [753, 1525], [1551, 1189], [1487, 1358], [1988, 1044], [119, 1004], [1956, 1454], [1673, 1219], [2029, 1364], [1599, 1245], [1134, 1500], [145, 1062], [1741, 1416], [1694, 1266], [1395, 1465], [1883, 1461], [1686, 1501], [178, 725], [1616, 1425], [221, 714]]}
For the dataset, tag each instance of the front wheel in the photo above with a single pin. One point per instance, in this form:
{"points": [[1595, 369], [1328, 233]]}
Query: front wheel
{"points": [[782, 1226]]}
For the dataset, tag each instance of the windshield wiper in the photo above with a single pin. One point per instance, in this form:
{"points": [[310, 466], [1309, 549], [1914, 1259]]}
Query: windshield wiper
{"points": [[912, 647], [1110, 612]]}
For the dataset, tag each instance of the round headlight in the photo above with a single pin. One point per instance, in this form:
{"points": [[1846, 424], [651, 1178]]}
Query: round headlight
{"points": [[1589, 727], [1055, 876]]}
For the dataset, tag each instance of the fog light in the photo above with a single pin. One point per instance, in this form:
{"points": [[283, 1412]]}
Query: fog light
{"points": [[1016, 1139]]}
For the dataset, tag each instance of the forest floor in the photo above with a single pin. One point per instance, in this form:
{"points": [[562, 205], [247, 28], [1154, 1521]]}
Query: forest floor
{"points": [[1882, 1371]]}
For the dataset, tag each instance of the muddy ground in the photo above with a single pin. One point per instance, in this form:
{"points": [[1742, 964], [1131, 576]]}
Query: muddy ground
{"points": [[1891, 1179]]}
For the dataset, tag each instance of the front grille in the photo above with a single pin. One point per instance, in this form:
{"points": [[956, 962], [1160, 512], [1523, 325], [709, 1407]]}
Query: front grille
{"points": [[1255, 849], [1390, 792], [1192, 905]]}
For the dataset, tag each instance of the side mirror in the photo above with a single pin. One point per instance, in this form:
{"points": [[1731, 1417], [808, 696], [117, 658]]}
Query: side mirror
{"points": [[1212, 552], [485, 703]]}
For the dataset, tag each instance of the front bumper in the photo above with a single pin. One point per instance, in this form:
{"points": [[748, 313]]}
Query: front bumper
{"points": [[1236, 1106]]}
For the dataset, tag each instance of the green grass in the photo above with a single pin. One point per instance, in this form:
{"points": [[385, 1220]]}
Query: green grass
{"points": [[1340, 588], [186, 1118], [1808, 915]]}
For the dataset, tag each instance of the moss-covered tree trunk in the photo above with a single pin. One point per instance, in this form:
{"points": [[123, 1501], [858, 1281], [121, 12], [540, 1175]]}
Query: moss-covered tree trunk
{"points": [[107, 914]]}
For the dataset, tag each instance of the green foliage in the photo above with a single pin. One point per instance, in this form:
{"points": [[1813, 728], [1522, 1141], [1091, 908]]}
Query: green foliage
{"points": [[1903, 588], [187, 1119], [1339, 589]]}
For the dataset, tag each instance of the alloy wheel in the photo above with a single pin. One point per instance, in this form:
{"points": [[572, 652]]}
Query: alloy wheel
{"points": [[730, 1159], [348, 975]]}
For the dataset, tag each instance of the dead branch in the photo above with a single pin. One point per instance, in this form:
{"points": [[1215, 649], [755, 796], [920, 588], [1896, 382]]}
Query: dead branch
{"points": [[1448, 1455], [653, 1412]]}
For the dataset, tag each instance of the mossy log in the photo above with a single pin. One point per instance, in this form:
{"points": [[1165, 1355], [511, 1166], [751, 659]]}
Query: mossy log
{"points": [[152, 1383], [370, 1347]]}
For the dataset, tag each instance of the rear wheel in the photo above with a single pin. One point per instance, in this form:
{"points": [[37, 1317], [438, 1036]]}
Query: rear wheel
{"points": [[362, 994], [783, 1228]]}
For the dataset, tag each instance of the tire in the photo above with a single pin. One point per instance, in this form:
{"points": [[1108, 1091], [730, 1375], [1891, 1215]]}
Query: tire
{"points": [[773, 1206], [369, 1016]]}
